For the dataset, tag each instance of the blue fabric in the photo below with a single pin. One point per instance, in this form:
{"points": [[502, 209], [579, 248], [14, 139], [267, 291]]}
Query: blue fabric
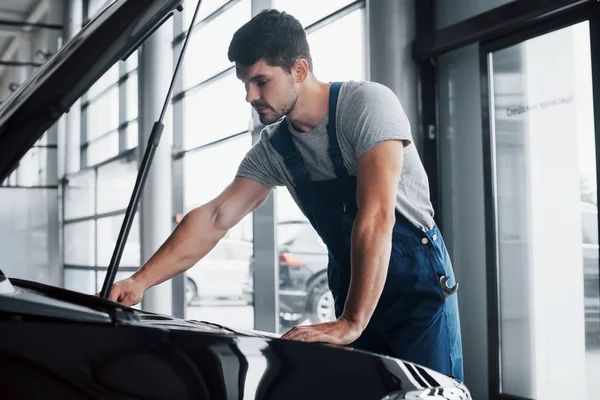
{"points": [[413, 320]]}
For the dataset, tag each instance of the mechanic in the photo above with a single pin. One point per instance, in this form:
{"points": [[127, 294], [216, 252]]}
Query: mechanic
{"points": [[344, 151]]}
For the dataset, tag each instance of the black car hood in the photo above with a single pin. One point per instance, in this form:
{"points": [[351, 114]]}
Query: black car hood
{"points": [[41, 100], [144, 354]]}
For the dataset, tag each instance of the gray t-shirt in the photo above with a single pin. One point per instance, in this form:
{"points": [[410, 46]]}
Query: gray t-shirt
{"points": [[368, 113]]}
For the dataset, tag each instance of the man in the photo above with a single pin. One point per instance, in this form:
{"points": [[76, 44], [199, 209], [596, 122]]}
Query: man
{"points": [[345, 153]]}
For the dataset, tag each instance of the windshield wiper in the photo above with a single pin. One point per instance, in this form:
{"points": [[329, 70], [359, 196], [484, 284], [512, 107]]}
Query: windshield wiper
{"points": [[153, 142]]}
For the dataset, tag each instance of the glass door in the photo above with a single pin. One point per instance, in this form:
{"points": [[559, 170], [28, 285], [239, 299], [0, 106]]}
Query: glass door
{"points": [[543, 220]]}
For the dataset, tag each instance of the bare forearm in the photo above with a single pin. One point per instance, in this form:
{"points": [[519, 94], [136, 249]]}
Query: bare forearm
{"points": [[193, 238], [371, 248]]}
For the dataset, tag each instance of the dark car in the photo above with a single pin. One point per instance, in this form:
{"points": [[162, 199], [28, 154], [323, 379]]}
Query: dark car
{"points": [[60, 344], [304, 294], [591, 280]]}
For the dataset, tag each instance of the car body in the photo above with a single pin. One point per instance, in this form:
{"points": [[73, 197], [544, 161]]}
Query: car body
{"points": [[221, 274], [591, 279], [57, 343]]}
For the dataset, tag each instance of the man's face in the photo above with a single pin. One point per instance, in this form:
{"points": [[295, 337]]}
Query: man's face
{"points": [[270, 90]]}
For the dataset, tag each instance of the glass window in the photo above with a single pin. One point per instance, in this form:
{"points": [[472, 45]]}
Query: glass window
{"points": [[132, 62], [80, 280], [108, 233], [115, 185], [216, 287], [80, 195], [102, 149], [109, 78], [215, 111], [103, 114], [309, 11], [206, 8], [338, 53], [338, 49], [131, 132], [207, 52], [542, 212], [33, 167], [208, 171], [131, 87], [79, 245]]}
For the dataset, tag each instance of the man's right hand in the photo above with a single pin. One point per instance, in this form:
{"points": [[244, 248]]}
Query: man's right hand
{"points": [[128, 292]]}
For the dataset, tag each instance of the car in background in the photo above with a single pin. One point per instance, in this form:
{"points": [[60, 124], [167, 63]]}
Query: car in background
{"points": [[591, 278], [221, 274], [304, 294]]}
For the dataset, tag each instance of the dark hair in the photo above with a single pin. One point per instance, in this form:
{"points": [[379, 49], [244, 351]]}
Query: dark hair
{"points": [[275, 36]]}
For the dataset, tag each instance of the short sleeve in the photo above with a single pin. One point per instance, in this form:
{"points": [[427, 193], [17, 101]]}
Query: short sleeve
{"points": [[370, 114], [258, 165]]}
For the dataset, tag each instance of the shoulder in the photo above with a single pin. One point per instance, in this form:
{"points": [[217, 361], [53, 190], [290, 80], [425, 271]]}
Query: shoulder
{"points": [[365, 93]]}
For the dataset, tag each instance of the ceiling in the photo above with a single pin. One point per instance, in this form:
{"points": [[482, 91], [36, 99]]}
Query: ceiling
{"points": [[18, 11]]}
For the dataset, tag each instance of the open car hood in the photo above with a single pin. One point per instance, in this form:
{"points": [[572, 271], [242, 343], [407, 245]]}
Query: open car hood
{"points": [[41, 100]]}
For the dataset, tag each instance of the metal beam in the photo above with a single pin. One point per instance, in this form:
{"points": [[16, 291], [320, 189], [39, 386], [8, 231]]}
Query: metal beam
{"points": [[30, 25], [490, 25], [19, 64]]}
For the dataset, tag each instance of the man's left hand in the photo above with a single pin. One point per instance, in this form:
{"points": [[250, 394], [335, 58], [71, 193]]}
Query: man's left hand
{"points": [[340, 332]]}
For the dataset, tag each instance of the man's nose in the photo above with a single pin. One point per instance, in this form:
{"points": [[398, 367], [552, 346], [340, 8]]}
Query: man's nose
{"points": [[251, 94]]}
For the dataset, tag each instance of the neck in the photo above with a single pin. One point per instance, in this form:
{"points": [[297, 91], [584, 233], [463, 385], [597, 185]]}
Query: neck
{"points": [[311, 106]]}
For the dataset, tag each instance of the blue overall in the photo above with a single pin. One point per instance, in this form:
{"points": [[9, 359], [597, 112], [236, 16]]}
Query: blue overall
{"points": [[413, 320]]}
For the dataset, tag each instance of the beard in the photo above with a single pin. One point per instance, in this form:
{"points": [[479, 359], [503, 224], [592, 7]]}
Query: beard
{"points": [[269, 114]]}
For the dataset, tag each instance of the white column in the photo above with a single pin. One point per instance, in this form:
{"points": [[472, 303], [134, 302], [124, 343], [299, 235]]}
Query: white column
{"points": [[70, 161], [155, 72]]}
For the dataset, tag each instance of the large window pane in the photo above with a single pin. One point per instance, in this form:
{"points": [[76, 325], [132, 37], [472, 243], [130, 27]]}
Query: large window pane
{"points": [[80, 280], [309, 11], [103, 114], [206, 8], [109, 78], [215, 111], [80, 195], [33, 167], [215, 286], [131, 87], [131, 132], [304, 297], [132, 62], [102, 149], [79, 244], [95, 6], [115, 185], [108, 233], [338, 49], [544, 208], [207, 53]]}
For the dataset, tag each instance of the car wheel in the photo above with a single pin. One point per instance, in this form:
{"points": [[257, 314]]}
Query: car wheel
{"points": [[191, 291], [321, 305]]}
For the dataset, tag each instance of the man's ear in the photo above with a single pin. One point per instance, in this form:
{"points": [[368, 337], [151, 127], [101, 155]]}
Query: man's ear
{"points": [[300, 70]]}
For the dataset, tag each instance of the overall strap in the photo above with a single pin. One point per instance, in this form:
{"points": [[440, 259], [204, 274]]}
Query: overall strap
{"points": [[282, 142], [335, 152]]}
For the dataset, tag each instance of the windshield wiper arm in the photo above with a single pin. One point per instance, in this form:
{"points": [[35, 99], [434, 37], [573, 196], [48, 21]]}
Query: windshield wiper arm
{"points": [[153, 142]]}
